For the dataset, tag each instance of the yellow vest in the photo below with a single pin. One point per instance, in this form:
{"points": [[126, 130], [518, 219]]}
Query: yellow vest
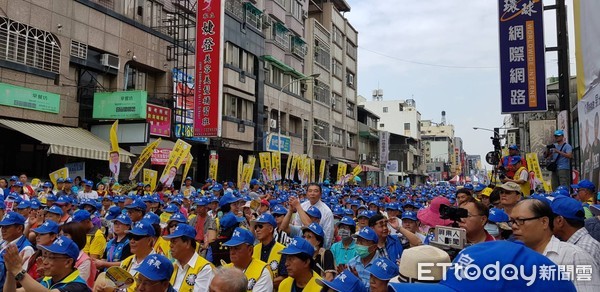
{"points": [[163, 247], [524, 187], [126, 264], [274, 256], [286, 284], [253, 272], [190, 274]]}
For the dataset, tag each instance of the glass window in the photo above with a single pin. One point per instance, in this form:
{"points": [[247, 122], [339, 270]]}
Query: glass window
{"points": [[350, 79], [235, 7], [338, 103], [336, 68], [351, 140], [385, 109], [337, 36], [406, 126], [351, 50], [322, 93], [281, 35], [322, 55], [336, 137], [350, 109]]}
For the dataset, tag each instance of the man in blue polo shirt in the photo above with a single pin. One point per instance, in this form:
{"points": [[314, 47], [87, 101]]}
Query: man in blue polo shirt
{"points": [[561, 153], [344, 250], [366, 250]]}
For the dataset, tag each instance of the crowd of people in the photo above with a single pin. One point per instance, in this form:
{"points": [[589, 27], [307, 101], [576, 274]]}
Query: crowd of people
{"points": [[288, 237]]}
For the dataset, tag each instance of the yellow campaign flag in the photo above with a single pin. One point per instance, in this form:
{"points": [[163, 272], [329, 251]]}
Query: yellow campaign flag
{"points": [[240, 170], [276, 164], [341, 171], [213, 166], [287, 166], [306, 170], [114, 141], [312, 170], [357, 170], [61, 173], [146, 154], [322, 171], [251, 165], [246, 174], [534, 164], [149, 177], [178, 154], [265, 165], [293, 166], [188, 165]]}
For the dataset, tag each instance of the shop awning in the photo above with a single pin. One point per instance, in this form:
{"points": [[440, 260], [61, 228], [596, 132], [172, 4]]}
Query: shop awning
{"points": [[367, 167], [398, 174], [338, 159], [283, 66], [67, 141]]}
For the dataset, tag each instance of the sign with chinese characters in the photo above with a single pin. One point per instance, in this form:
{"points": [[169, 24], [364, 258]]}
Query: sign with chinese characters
{"points": [[384, 146], [17, 96], [183, 103], [209, 66], [159, 119], [272, 140], [120, 105], [522, 60]]}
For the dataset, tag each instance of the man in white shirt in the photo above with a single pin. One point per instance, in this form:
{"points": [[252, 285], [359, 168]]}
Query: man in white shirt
{"points": [[192, 272], [532, 223], [12, 227], [87, 192], [313, 194]]}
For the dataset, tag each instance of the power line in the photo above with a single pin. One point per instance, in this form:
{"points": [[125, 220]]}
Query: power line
{"points": [[427, 64]]}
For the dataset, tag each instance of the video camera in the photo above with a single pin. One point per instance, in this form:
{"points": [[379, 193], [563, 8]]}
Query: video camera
{"points": [[453, 213], [450, 239]]}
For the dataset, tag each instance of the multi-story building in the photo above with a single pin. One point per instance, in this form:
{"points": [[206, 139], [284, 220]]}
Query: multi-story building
{"points": [[332, 53], [368, 145], [438, 148]]}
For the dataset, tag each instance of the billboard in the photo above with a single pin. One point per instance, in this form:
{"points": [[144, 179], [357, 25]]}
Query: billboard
{"points": [[522, 56], [209, 69], [587, 42], [183, 106], [159, 119], [541, 133], [588, 110], [120, 105]]}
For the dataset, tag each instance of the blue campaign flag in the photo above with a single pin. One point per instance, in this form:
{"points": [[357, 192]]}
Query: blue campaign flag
{"points": [[522, 56]]}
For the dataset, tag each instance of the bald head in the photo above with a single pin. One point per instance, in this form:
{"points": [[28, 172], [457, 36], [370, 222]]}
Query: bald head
{"points": [[229, 280]]}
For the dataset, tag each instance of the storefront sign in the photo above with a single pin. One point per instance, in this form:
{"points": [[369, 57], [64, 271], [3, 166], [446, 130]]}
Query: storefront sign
{"points": [[272, 140], [21, 97], [209, 66], [120, 105], [159, 119]]}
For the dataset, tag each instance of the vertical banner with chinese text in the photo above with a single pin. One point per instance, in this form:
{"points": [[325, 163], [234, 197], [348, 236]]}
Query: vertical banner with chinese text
{"points": [[522, 56], [276, 164], [209, 66], [213, 165], [341, 171], [149, 176], [176, 157], [146, 154], [322, 170], [265, 166]]}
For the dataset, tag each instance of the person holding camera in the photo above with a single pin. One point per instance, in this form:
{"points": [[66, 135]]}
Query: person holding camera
{"points": [[560, 154], [506, 164], [521, 176]]}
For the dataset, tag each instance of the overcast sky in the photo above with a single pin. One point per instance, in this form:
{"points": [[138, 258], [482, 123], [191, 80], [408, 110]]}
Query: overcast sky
{"points": [[441, 53]]}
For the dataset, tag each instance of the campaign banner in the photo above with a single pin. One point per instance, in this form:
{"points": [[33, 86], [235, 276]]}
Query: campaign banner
{"points": [[312, 170], [213, 165], [114, 162], [287, 166], [75, 169], [588, 110], [322, 171], [341, 171], [186, 169], [587, 55], [293, 166], [149, 177], [159, 119], [522, 56], [240, 171], [541, 133], [178, 154], [61, 173], [276, 164], [183, 106], [384, 146], [534, 166], [209, 69], [146, 154], [265, 165], [247, 177]]}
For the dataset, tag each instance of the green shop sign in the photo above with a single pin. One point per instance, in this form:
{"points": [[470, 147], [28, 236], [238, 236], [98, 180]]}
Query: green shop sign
{"points": [[120, 105], [37, 100]]}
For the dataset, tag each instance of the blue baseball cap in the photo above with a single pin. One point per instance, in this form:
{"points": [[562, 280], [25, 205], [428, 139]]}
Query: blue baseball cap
{"points": [[143, 228], [568, 208], [228, 198], [50, 197], [89, 183], [266, 218], [217, 187], [498, 215], [314, 212], [60, 180], [14, 177], [279, 210], [559, 133], [346, 220], [363, 213], [113, 212], [152, 218], [383, 269], [298, 245], [182, 230], [63, 245], [35, 204], [62, 200], [125, 219], [69, 180], [201, 202], [55, 210], [12, 218], [24, 205], [345, 281], [494, 253], [81, 215], [18, 184], [367, 233], [178, 217], [585, 184], [47, 184], [171, 208], [468, 186], [479, 187], [48, 227], [229, 220], [513, 147], [254, 182], [410, 215], [315, 228], [156, 267], [515, 159], [137, 204], [240, 236]]}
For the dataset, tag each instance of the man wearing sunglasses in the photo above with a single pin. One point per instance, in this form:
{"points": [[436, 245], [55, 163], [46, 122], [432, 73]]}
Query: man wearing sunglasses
{"points": [[532, 223], [58, 260], [267, 250], [12, 227]]}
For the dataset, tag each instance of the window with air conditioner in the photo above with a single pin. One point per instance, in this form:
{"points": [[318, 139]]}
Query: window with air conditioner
{"points": [[350, 79]]}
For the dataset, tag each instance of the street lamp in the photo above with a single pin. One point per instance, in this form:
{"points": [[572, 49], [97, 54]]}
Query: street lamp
{"points": [[309, 77]]}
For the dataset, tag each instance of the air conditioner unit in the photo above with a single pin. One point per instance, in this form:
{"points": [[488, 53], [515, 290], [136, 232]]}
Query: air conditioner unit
{"points": [[362, 156], [273, 123], [266, 20], [110, 61]]}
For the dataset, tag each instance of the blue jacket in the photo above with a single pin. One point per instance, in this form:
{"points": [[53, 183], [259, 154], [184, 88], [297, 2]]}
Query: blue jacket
{"points": [[21, 244]]}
